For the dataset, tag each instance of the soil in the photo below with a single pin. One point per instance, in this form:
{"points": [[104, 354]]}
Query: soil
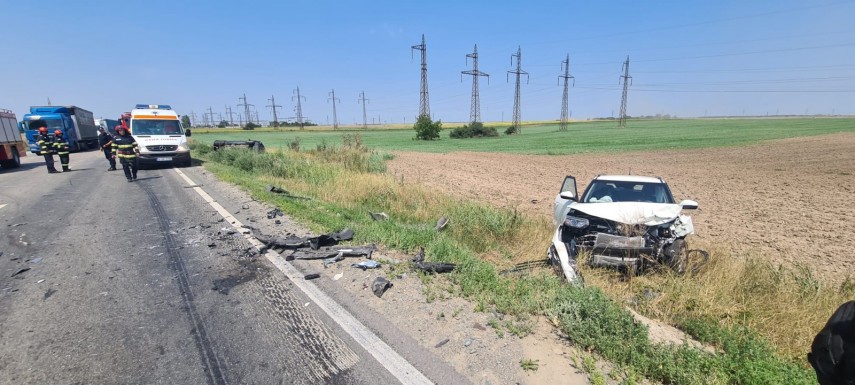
{"points": [[790, 200]]}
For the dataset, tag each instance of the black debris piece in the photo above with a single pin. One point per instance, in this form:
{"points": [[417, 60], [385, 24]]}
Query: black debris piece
{"points": [[330, 252], [312, 276], [253, 145], [441, 343], [274, 213], [295, 242], [380, 286], [337, 258], [420, 257], [49, 293], [278, 222], [435, 267], [21, 271], [277, 190]]}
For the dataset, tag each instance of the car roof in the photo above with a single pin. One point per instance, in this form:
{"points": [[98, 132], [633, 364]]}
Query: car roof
{"points": [[630, 178]]}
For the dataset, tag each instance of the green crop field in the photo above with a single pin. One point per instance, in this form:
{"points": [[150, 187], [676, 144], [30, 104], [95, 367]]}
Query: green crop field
{"points": [[545, 139]]}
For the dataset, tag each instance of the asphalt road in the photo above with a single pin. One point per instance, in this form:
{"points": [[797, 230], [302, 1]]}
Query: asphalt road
{"points": [[108, 282]]}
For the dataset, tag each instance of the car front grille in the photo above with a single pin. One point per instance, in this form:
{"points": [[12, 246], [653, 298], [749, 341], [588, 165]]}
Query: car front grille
{"points": [[161, 148]]}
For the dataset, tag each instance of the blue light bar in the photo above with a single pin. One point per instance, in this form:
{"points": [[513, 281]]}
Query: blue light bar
{"points": [[153, 107]]}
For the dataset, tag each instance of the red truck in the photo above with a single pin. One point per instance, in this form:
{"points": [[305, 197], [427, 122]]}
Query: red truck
{"points": [[12, 145]]}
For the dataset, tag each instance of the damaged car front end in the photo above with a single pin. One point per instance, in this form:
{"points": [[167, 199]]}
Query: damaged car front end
{"points": [[621, 222]]}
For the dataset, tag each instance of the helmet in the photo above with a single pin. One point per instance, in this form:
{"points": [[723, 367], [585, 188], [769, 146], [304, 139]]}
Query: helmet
{"points": [[42, 130], [58, 132]]}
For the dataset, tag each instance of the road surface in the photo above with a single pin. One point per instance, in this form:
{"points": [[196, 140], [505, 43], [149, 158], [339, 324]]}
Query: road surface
{"points": [[108, 282]]}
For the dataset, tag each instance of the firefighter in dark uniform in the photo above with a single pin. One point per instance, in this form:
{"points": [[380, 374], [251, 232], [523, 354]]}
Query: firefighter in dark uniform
{"points": [[61, 147], [46, 148], [105, 140], [126, 149]]}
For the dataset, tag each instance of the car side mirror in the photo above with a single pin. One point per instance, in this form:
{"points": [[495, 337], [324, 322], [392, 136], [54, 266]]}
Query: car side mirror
{"points": [[689, 204], [568, 195], [187, 132]]}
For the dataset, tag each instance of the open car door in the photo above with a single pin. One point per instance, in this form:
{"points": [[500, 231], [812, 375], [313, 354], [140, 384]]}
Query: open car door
{"points": [[567, 195]]}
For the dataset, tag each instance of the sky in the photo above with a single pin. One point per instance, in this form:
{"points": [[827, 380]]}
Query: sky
{"points": [[686, 58]]}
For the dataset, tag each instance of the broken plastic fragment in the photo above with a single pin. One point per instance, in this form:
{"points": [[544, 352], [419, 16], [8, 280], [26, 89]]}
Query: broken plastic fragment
{"points": [[380, 286], [381, 216], [365, 265]]}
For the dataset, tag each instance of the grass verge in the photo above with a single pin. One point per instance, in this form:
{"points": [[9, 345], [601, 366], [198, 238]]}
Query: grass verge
{"points": [[344, 183]]}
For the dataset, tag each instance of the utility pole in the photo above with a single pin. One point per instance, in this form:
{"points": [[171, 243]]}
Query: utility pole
{"points": [[518, 72], [334, 116], [273, 106], [566, 66], [229, 111], [211, 115], [240, 119], [192, 118], [627, 80], [475, 107], [246, 108], [424, 102], [364, 115], [299, 108]]}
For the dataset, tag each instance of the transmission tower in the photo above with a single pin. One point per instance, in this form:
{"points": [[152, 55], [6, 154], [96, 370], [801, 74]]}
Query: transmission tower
{"points": [[565, 65], [229, 112], [211, 116], [299, 108], [273, 106], [364, 115], [334, 116], [193, 119], [246, 108], [518, 72], [627, 80], [475, 109], [424, 101]]}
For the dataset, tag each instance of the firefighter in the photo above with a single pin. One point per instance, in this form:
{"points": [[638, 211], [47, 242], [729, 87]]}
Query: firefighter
{"points": [[61, 147], [105, 140], [126, 149], [46, 148]]}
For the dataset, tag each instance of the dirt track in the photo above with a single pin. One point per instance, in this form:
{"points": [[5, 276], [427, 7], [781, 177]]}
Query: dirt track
{"points": [[791, 199]]}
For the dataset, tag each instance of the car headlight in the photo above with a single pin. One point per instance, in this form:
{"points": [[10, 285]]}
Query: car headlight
{"points": [[576, 222], [183, 147]]}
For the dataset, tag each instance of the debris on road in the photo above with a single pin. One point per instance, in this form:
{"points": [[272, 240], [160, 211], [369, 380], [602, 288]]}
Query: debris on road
{"points": [[380, 286], [21, 271], [435, 267], [381, 216], [295, 242], [274, 213], [311, 276], [441, 343], [441, 223], [277, 190], [49, 293], [365, 265], [338, 276], [332, 252]]}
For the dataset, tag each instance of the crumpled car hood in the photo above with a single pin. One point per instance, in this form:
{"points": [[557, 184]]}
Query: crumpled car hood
{"points": [[631, 213]]}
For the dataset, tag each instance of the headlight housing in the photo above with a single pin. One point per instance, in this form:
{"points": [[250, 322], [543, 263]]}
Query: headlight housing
{"points": [[183, 147], [576, 222]]}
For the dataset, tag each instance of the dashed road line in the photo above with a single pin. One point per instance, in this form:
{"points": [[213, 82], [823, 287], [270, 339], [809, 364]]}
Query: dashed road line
{"points": [[383, 353]]}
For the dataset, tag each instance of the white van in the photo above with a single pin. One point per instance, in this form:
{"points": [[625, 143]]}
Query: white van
{"points": [[161, 138]]}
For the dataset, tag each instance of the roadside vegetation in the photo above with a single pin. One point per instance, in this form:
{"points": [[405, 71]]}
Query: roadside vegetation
{"points": [[758, 317]]}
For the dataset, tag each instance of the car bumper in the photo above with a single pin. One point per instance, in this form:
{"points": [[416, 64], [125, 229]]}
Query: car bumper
{"points": [[164, 158], [617, 251]]}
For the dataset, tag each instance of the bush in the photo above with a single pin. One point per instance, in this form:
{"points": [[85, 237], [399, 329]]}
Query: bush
{"points": [[250, 126], [475, 130], [426, 129], [511, 130]]}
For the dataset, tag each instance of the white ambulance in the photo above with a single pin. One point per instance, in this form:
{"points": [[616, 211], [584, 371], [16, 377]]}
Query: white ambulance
{"points": [[161, 138]]}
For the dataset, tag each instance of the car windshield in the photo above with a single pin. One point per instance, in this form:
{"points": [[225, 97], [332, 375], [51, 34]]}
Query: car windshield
{"points": [[51, 124], [156, 127], [613, 191]]}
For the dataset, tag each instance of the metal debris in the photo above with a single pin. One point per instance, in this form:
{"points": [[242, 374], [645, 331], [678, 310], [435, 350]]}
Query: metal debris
{"points": [[380, 286]]}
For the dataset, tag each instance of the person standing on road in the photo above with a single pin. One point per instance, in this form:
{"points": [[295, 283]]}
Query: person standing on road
{"points": [[105, 140], [126, 149], [46, 148], [61, 147]]}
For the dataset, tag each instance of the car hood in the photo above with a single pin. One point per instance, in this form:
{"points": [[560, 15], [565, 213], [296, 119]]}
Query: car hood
{"points": [[631, 213]]}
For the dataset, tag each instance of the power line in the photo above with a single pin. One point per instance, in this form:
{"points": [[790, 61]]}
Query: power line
{"points": [[564, 116], [424, 101], [299, 107], [626, 81], [475, 107], [273, 106], [364, 115], [334, 116], [518, 72]]}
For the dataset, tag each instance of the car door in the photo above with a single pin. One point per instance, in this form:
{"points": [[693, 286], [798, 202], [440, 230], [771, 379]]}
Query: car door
{"points": [[570, 195]]}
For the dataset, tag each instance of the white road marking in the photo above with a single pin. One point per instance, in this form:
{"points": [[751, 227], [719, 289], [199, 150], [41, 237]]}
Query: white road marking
{"points": [[383, 353], [2, 206]]}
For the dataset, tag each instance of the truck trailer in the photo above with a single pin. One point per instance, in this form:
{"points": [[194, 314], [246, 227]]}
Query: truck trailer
{"points": [[77, 125], [12, 146]]}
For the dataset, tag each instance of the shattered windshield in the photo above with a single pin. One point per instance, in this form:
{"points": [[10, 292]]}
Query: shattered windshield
{"points": [[614, 191], [156, 127]]}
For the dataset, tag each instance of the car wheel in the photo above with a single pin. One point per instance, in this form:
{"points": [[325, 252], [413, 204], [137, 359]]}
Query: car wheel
{"points": [[677, 255]]}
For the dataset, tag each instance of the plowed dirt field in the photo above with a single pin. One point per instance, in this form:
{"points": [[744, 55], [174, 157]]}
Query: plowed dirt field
{"points": [[790, 200]]}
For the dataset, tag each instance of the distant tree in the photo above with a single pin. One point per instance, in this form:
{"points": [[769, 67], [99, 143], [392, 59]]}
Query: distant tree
{"points": [[274, 124], [250, 126], [427, 129], [185, 121], [223, 124], [474, 130], [511, 130]]}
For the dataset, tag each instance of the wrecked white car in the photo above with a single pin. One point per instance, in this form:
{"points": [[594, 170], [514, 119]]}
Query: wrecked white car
{"points": [[621, 221]]}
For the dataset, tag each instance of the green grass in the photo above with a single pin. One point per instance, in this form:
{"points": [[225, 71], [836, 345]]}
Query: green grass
{"points": [[587, 316], [545, 139]]}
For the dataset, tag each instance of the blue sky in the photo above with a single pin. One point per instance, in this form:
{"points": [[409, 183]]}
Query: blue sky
{"points": [[687, 58]]}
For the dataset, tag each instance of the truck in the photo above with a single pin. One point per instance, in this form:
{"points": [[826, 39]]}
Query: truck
{"points": [[12, 146], [161, 138], [107, 124], [77, 126]]}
